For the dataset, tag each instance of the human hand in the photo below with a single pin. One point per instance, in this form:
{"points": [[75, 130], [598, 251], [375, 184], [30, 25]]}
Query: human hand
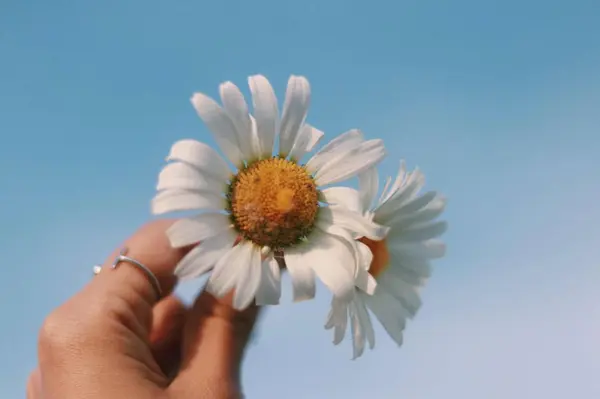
{"points": [[114, 340]]}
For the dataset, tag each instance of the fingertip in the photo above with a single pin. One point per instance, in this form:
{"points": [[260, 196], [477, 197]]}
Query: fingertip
{"points": [[34, 385], [167, 321]]}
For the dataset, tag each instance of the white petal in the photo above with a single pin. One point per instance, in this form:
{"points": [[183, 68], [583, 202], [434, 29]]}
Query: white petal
{"points": [[431, 211], [430, 249], [390, 313], [352, 221], [193, 264], [183, 176], [248, 281], [422, 232], [364, 280], [388, 190], [365, 319], [358, 337], [338, 280], [185, 200], [221, 126], [338, 319], [403, 267], [406, 192], [339, 330], [269, 290], [407, 294], [303, 277], [192, 230], [203, 257], [307, 139], [385, 192], [352, 245], [410, 260], [256, 142], [409, 276], [351, 163], [400, 205], [200, 156], [365, 255], [342, 196], [330, 322], [368, 183], [265, 111], [235, 105], [315, 137], [333, 261], [295, 108], [419, 202], [340, 144], [230, 268]]}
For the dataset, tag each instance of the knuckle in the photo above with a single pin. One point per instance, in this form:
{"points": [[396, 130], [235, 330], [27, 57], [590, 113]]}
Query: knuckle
{"points": [[71, 327], [120, 311], [103, 314], [69, 324], [55, 331], [67, 331]]}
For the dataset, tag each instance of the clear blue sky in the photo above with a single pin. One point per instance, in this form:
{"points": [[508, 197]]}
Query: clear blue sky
{"points": [[497, 101]]}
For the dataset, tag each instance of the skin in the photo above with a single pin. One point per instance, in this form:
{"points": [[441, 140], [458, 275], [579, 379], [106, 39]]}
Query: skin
{"points": [[114, 339]]}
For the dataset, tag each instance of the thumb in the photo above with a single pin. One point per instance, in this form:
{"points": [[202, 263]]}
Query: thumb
{"points": [[215, 337]]}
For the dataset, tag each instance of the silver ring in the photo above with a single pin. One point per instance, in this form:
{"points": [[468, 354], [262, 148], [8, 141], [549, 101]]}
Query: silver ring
{"points": [[123, 258]]}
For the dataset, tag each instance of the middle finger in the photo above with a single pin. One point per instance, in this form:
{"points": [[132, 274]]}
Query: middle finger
{"points": [[168, 318]]}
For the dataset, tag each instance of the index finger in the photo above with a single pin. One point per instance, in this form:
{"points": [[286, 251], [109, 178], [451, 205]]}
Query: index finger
{"points": [[150, 247], [104, 329]]}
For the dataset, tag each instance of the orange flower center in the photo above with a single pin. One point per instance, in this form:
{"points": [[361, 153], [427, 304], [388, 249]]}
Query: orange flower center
{"points": [[273, 202], [381, 256]]}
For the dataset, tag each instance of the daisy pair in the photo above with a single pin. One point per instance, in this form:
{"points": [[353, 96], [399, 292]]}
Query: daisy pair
{"points": [[263, 210]]}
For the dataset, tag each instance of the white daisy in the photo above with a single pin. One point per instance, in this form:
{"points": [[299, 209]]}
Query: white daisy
{"points": [[268, 211], [400, 263]]}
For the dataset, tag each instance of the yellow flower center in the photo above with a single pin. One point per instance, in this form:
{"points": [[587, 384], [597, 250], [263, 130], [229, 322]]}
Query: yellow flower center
{"points": [[273, 202], [381, 256]]}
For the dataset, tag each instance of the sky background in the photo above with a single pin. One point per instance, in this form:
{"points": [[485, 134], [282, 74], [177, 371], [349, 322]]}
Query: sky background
{"points": [[498, 102]]}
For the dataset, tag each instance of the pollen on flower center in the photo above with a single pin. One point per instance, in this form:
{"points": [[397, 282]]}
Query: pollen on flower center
{"points": [[273, 202], [381, 256]]}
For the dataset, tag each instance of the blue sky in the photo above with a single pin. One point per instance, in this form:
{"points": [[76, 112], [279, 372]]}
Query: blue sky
{"points": [[497, 102]]}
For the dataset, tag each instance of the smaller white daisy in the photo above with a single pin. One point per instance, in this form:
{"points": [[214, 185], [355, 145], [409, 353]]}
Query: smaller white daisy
{"points": [[400, 263]]}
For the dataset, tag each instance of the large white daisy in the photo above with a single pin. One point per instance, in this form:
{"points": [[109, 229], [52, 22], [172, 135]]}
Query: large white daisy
{"points": [[267, 213], [400, 264]]}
